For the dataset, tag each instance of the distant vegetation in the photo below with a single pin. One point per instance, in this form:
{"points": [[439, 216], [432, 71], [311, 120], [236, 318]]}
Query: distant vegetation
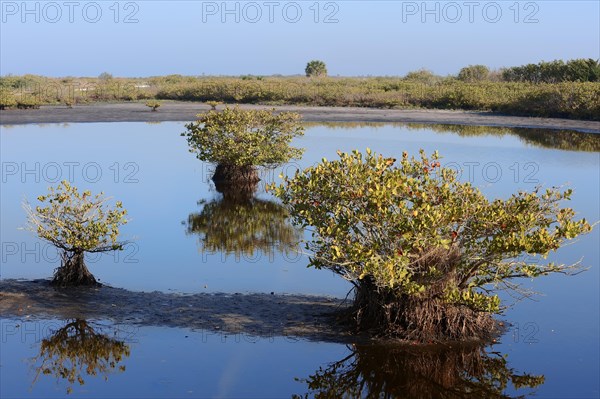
{"points": [[549, 89], [423, 76], [474, 73], [105, 76], [316, 68], [213, 104], [580, 70], [153, 105]]}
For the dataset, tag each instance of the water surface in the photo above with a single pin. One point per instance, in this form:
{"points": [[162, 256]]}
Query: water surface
{"points": [[180, 245]]}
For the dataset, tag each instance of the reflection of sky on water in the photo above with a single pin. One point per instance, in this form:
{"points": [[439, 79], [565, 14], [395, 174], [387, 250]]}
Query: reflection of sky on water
{"points": [[160, 183]]}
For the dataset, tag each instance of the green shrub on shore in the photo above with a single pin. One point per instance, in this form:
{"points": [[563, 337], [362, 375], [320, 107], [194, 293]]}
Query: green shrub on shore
{"points": [[153, 105], [28, 102], [474, 73], [579, 70], [423, 76], [7, 99]]}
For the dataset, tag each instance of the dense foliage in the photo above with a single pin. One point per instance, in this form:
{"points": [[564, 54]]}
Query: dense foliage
{"points": [[76, 223], [412, 238], [474, 73], [423, 76], [315, 68], [579, 70], [7, 99], [244, 137]]}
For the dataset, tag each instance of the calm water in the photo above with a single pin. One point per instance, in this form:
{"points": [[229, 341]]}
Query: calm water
{"points": [[181, 245]]}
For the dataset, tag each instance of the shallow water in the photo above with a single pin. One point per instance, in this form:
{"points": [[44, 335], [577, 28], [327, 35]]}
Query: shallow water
{"points": [[176, 248]]}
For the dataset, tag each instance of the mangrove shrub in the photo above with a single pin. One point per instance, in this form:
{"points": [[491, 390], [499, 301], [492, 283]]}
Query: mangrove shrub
{"points": [[76, 223], [426, 253], [239, 140], [153, 105]]}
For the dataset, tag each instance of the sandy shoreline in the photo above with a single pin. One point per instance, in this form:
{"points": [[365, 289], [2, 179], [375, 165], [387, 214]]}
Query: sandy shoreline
{"points": [[187, 111]]}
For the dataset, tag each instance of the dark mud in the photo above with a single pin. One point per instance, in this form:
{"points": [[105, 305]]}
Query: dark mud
{"points": [[261, 315]]}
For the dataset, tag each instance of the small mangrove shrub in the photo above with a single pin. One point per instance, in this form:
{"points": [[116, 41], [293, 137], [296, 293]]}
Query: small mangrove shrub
{"points": [[213, 104], [75, 223], [153, 105]]}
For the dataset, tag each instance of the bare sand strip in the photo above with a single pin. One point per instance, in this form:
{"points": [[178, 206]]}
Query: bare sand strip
{"points": [[257, 315], [187, 111]]}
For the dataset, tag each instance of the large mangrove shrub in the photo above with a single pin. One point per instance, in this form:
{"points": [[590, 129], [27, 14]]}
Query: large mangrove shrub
{"points": [[426, 253], [239, 141], [75, 223]]}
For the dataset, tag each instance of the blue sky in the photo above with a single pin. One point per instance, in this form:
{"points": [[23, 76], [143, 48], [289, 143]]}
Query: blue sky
{"points": [[145, 38]]}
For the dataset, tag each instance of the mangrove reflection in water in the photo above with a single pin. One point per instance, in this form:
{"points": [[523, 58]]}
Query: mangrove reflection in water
{"points": [[241, 224], [568, 140], [79, 349], [384, 371]]}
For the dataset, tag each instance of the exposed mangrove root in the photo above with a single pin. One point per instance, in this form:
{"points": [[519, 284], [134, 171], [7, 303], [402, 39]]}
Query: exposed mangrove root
{"points": [[236, 174], [422, 318], [73, 272], [236, 183]]}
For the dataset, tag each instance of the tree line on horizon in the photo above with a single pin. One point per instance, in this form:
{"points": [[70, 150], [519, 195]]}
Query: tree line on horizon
{"points": [[548, 89], [556, 71]]}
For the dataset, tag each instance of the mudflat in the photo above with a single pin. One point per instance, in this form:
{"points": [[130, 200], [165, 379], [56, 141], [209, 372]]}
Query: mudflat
{"points": [[259, 315], [187, 111]]}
